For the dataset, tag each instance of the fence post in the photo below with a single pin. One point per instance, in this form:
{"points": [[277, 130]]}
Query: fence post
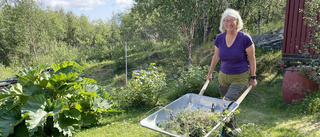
{"points": [[126, 62]]}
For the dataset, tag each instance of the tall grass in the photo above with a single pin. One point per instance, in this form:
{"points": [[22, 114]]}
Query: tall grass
{"points": [[7, 72]]}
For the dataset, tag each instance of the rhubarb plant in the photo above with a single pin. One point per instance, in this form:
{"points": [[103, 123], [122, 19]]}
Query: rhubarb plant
{"points": [[51, 103]]}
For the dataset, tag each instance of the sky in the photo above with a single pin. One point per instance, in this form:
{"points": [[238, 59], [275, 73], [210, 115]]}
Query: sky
{"points": [[94, 9]]}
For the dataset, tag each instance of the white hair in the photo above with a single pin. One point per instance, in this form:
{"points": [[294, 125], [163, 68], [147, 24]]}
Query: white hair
{"points": [[233, 13]]}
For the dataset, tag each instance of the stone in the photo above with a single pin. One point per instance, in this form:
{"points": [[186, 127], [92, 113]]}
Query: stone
{"points": [[268, 41], [156, 55]]}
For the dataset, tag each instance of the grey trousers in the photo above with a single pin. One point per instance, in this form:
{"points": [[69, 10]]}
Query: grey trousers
{"points": [[231, 93]]}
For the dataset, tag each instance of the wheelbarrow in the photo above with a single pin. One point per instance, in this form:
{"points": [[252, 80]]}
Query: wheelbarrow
{"points": [[197, 101]]}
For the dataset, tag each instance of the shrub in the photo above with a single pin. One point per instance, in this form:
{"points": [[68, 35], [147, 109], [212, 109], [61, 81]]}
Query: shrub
{"points": [[51, 103], [142, 90], [311, 103], [311, 14], [57, 53], [96, 52], [192, 80]]}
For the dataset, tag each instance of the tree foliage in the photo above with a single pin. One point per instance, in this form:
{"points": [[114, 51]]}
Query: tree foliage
{"points": [[196, 20], [30, 31]]}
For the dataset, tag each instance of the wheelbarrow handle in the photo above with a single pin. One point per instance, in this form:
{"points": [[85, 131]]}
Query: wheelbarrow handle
{"points": [[244, 94], [204, 87]]}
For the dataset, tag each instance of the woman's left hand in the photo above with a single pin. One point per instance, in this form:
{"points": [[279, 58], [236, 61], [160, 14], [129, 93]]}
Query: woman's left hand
{"points": [[253, 82]]}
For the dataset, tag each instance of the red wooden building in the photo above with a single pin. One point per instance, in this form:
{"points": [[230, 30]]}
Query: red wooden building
{"points": [[296, 34], [295, 85]]}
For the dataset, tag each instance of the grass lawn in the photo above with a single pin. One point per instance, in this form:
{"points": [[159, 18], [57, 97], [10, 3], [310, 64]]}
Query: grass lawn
{"points": [[263, 113]]}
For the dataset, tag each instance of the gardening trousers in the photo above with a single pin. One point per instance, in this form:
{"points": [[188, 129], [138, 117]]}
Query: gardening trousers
{"points": [[230, 88]]}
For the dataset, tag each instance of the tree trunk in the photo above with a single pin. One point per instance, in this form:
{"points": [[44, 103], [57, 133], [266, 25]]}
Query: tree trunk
{"points": [[268, 14], [191, 26], [205, 24], [34, 49], [227, 4], [259, 20], [188, 43]]}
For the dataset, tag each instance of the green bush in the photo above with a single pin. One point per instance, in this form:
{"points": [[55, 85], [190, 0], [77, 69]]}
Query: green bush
{"points": [[311, 103], [192, 80], [96, 52], [57, 53], [142, 90], [51, 103]]}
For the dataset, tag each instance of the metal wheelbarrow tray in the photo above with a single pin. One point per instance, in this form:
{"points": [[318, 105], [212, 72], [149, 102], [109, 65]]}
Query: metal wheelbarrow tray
{"points": [[196, 102]]}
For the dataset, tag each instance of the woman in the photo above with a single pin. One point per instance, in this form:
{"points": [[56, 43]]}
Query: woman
{"points": [[236, 52]]}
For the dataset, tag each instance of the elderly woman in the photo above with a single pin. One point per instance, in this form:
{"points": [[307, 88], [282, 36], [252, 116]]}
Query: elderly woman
{"points": [[235, 50]]}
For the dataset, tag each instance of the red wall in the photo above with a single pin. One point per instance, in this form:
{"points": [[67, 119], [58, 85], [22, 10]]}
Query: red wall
{"points": [[295, 32]]}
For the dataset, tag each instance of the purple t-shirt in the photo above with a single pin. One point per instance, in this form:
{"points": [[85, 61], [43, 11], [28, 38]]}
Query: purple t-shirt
{"points": [[233, 59]]}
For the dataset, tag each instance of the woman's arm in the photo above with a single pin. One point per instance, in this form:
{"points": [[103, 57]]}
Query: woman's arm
{"points": [[252, 63], [214, 62]]}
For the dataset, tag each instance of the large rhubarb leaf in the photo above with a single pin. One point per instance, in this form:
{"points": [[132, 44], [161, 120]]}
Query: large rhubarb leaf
{"points": [[44, 79], [14, 93], [91, 88], [66, 125], [62, 82], [27, 76], [20, 130], [67, 67], [11, 91], [6, 104], [58, 106], [100, 104], [8, 120], [89, 119], [31, 75], [34, 112], [72, 114]]}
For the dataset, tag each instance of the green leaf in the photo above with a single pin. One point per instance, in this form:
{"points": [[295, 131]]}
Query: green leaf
{"points": [[66, 125], [27, 76], [73, 114], [34, 112], [58, 106], [62, 81], [78, 107], [29, 89], [88, 119], [43, 79], [89, 87], [101, 104], [6, 104], [8, 120], [89, 80], [67, 67], [88, 94], [12, 91], [20, 130], [37, 76]]}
